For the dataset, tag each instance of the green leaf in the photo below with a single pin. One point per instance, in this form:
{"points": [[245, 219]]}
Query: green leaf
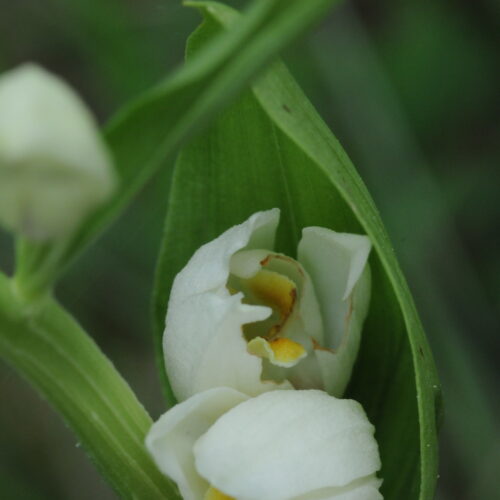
{"points": [[145, 132], [271, 149]]}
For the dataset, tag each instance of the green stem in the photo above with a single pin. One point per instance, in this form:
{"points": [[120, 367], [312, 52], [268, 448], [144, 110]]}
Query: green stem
{"points": [[37, 266], [47, 346]]}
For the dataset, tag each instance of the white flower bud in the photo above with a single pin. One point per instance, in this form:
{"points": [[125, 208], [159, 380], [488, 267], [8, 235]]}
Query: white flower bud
{"points": [[54, 166]]}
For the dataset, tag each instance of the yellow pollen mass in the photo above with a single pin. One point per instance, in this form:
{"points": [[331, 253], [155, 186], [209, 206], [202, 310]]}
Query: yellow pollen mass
{"points": [[214, 494], [274, 289], [286, 350]]}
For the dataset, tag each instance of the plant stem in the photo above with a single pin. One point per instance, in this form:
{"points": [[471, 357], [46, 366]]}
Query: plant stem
{"points": [[37, 266], [45, 344]]}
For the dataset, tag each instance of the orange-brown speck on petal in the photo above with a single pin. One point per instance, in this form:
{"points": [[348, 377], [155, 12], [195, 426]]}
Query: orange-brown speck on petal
{"points": [[268, 260], [318, 347]]}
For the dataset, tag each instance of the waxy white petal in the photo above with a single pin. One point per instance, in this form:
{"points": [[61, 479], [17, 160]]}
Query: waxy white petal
{"points": [[365, 488], [336, 365], [208, 268], [284, 444], [171, 439], [337, 264], [54, 166], [248, 263], [217, 355], [203, 342]]}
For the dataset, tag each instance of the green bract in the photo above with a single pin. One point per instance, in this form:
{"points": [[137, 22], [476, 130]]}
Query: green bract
{"points": [[271, 149]]}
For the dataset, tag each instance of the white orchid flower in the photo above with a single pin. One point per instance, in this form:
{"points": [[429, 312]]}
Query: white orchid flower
{"points": [[243, 316], [283, 445], [54, 167]]}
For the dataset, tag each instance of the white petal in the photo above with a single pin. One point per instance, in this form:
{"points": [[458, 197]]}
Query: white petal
{"points": [[210, 350], [337, 264], [365, 488], [208, 268], [171, 439], [203, 341], [307, 374], [336, 366], [284, 444], [54, 166], [248, 263]]}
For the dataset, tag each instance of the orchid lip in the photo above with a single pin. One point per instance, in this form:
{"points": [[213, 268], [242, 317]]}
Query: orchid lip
{"points": [[274, 281]]}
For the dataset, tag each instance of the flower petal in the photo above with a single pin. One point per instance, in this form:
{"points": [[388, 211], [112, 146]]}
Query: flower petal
{"points": [[337, 264], [210, 350], [365, 488], [171, 439], [208, 268], [336, 365], [284, 444], [203, 341]]}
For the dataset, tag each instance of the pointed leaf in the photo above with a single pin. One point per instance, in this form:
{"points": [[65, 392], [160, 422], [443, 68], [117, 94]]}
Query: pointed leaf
{"points": [[271, 149], [145, 132]]}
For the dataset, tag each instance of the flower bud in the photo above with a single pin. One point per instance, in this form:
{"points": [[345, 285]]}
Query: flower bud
{"points": [[54, 167]]}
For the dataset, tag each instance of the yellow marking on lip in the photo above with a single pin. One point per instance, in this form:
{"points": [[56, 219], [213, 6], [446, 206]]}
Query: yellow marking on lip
{"points": [[276, 290], [287, 351], [214, 494], [280, 352]]}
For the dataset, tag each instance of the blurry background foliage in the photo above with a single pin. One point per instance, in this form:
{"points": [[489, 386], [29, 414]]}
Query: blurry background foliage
{"points": [[410, 88]]}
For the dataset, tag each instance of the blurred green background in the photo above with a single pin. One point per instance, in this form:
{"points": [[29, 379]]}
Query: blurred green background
{"points": [[411, 89]]}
